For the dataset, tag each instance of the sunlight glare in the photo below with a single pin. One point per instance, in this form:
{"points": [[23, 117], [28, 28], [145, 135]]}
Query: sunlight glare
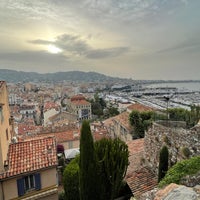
{"points": [[53, 49]]}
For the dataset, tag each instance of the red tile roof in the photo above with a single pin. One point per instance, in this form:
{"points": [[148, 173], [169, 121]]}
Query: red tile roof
{"points": [[123, 119], [78, 97], [141, 181], [136, 152], [68, 135], [32, 155], [139, 178], [139, 107], [80, 102], [50, 105], [26, 128]]}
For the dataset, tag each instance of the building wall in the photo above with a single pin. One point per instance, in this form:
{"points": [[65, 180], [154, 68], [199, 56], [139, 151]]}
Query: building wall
{"points": [[71, 144], [4, 125], [48, 114], [48, 179], [121, 132], [10, 189], [176, 139]]}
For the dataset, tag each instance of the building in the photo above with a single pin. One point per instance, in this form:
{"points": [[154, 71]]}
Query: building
{"points": [[28, 169], [119, 126], [5, 133], [79, 106]]}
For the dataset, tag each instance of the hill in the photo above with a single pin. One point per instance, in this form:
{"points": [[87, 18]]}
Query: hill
{"points": [[78, 76]]}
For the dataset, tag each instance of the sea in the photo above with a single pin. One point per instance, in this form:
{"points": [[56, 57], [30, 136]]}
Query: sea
{"points": [[184, 86]]}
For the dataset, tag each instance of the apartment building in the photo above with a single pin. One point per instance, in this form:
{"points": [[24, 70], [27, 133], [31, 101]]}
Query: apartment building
{"points": [[28, 169]]}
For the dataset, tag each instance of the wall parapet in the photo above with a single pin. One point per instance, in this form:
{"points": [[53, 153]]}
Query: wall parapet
{"points": [[181, 143]]}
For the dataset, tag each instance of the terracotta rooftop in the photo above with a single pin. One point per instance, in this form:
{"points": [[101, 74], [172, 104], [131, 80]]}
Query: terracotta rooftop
{"points": [[141, 181], [50, 105], [136, 152], [123, 119], [139, 107], [139, 178], [32, 155], [80, 102], [78, 97], [64, 136], [26, 128]]}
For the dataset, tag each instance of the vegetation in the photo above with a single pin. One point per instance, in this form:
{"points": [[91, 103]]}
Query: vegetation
{"points": [[71, 180], [181, 169], [100, 109], [190, 117], [163, 163], [97, 104], [99, 170], [87, 164], [110, 112], [185, 151], [140, 122], [112, 159]]}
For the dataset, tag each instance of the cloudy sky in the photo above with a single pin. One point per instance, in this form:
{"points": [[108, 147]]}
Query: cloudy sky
{"points": [[139, 39]]}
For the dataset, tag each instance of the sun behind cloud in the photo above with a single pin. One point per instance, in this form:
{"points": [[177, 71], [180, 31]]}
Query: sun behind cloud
{"points": [[53, 49]]}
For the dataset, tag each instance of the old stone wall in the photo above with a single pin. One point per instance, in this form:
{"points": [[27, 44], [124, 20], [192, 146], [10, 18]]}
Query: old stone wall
{"points": [[182, 143]]}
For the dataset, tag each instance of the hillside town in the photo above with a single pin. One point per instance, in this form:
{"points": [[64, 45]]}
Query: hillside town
{"points": [[37, 118]]}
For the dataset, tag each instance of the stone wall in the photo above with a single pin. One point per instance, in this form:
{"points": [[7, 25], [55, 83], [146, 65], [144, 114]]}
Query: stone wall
{"points": [[181, 143]]}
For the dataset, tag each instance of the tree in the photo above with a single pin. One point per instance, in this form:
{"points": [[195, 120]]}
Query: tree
{"points": [[71, 180], [163, 163], [87, 164], [112, 159], [190, 117], [140, 121]]}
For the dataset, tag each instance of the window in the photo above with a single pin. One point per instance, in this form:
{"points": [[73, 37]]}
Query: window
{"points": [[70, 144], [1, 114], [7, 137], [28, 183]]}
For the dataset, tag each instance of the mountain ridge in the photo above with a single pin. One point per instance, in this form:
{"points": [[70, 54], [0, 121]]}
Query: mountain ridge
{"points": [[18, 76]]}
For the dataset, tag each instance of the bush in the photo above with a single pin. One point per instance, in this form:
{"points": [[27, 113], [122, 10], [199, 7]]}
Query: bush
{"points": [[180, 170], [186, 152], [71, 180]]}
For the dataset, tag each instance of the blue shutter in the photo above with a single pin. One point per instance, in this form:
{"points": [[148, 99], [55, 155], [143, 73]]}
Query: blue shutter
{"points": [[37, 182], [20, 186]]}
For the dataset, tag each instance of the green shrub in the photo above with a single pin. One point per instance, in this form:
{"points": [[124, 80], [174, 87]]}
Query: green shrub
{"points": [[181, 169], [71, 180], [186, 152]]}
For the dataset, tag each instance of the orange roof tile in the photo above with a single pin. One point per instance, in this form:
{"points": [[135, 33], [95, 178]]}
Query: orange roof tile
{"points": [[78, 97], [30, 156], [139, 178], [141, 181], [139, 107], [80, 102], [123, 119], [50, 105], [69, 135]]}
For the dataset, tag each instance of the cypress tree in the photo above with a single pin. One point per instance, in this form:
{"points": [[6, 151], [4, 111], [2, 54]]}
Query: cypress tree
{"points": [[112, 157], [87, 164], [163, 163]]}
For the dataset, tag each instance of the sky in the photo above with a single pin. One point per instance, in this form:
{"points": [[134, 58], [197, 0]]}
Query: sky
{"points": [[138, 39]]}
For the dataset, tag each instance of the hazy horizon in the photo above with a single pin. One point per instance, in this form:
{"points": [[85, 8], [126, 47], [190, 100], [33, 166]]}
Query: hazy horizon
{"points": [[142, 40]]}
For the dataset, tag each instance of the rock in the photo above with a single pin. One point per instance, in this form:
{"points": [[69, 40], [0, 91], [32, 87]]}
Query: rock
{"points": [[181, 193]]}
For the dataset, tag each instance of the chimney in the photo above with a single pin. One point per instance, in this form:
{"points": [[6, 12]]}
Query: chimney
{"points": [[12, 124]]}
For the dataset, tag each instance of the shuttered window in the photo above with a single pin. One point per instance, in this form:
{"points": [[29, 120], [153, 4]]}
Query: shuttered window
{"points": [[28, 183]]}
